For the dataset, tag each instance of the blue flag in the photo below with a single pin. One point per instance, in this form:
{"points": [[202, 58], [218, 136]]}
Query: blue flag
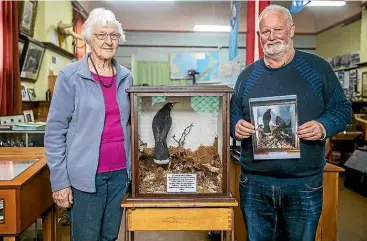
{"points": [[234, 21], [297, 6]]}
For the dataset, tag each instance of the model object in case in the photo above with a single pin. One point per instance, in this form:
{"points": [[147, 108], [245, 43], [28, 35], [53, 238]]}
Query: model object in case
{"points": [[180, 142]]}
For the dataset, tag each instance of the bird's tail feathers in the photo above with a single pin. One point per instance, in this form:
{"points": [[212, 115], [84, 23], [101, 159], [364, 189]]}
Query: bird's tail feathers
{"points": [[161, 153]]}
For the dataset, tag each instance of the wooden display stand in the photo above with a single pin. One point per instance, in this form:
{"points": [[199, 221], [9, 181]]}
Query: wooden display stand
{"points": [[328, 225], [179, 216], [27, 196], [190, 198], [362, 123]]}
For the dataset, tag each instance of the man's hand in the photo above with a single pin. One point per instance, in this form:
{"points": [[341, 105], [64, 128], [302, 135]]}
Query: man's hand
{"points": [[311, 131], [243, 130], [63, 198]]}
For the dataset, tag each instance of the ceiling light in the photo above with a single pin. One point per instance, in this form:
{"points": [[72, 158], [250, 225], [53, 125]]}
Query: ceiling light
{"points": [[326, 3], [212, 28]]}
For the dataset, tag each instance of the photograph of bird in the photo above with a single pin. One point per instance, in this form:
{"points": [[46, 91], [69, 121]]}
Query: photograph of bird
{"points": [[161, 125], [282, 124], [266, 120]]}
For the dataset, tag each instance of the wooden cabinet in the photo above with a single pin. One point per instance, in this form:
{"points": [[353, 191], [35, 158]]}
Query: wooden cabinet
{"points": [[25, 192], [362, 124], [40, 109], [328, 223], [328, 226]]}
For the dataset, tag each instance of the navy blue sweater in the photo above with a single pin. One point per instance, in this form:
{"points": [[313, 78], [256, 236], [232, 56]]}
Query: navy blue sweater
{"points": [[320, 97]]}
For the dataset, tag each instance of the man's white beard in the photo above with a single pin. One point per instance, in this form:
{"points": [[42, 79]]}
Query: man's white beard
{"points": [[277, 49]]}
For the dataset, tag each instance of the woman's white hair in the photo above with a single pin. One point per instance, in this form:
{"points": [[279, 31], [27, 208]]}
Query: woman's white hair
{"points": [[101, 17], [275, 8]]}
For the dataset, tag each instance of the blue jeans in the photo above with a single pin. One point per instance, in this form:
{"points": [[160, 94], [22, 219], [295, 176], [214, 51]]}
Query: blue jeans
{"points": [[281, 212], [97, 216]]}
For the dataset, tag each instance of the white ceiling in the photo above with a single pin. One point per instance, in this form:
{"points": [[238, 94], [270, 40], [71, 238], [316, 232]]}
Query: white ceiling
{"points": [[183, 15]]}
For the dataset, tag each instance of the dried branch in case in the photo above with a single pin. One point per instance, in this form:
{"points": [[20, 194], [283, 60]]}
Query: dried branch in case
{"points": [[181, 141]]}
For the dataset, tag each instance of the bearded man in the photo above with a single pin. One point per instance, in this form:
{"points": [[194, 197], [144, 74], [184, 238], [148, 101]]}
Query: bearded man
{"points": [[281, 199]]}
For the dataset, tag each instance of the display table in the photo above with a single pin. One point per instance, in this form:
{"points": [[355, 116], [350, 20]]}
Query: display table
{"points": [[182, 215], [25, 192], [328, 225]]}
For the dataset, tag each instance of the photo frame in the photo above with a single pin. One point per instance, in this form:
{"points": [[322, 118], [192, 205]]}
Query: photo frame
{"points": [[10, 120], [24, 92], [21, 44], [32, 94], [28, 116], [31, 61], [275, 120], [27, 16], [364, 84]]}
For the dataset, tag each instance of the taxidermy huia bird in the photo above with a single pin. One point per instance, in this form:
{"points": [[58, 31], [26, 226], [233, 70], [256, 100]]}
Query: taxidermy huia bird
{"points": [[161, 125], [283, 126], [266, 120]]}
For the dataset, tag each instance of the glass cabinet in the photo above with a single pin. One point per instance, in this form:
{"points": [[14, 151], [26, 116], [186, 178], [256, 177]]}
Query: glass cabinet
{"points": [[180, 142], [15, 138]]}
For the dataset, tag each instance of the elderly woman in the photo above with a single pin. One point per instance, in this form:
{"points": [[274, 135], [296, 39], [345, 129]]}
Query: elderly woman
{"points": [[87, 139]]}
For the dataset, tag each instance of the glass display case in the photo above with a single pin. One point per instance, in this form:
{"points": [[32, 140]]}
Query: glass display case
{"points": [[17, 138], [180, 142], [10, 169], [25, 192]]}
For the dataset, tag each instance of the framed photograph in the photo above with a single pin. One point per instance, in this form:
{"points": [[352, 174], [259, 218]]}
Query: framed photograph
{"points": [[20, 47], [355, 58], [364, 84], [32, 94], [28, 115], [275, 120], [27, 16], [24, 92], [32, 61]]}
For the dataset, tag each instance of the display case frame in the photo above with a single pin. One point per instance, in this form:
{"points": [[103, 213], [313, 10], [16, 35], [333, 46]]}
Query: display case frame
{"points": [[223, 92], [26, 133], [28, 195]]}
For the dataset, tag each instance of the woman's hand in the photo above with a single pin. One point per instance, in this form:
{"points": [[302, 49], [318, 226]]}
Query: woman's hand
{"points": [[63, 198]]}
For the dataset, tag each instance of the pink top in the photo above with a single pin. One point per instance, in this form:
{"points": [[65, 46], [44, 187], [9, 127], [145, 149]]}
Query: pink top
{"points": [[112, 152]]}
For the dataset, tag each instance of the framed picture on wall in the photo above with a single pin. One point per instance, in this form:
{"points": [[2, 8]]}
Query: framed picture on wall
{"points": [[24, 92], [364, 84], [27, 16], [20, 47], [31, 60], [32, 94]]}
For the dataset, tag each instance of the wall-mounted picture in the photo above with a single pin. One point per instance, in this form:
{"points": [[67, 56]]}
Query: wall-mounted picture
{"points": [[364, 84], [32, 94], [275, 121], [28, 115], [31, 63], [24, 92], [27, 16], [20, 47]]}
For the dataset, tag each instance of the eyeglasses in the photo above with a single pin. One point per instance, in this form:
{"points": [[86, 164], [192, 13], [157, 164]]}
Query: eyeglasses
{"points": [[103, 36]]}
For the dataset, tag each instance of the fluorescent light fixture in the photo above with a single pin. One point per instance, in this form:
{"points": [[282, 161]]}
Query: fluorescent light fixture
{"points": [[326, 3], [212, 28]]}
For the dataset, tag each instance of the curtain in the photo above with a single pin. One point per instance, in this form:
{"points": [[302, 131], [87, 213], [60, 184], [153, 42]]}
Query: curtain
{"points": [[155, 73], [10, 94], [80, 46]]}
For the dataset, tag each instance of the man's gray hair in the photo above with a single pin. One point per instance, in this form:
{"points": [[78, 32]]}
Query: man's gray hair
{"points": [[101, 17], [275, 8]]}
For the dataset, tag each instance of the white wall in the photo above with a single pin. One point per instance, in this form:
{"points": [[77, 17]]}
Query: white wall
{"points": [[156, 46]]}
